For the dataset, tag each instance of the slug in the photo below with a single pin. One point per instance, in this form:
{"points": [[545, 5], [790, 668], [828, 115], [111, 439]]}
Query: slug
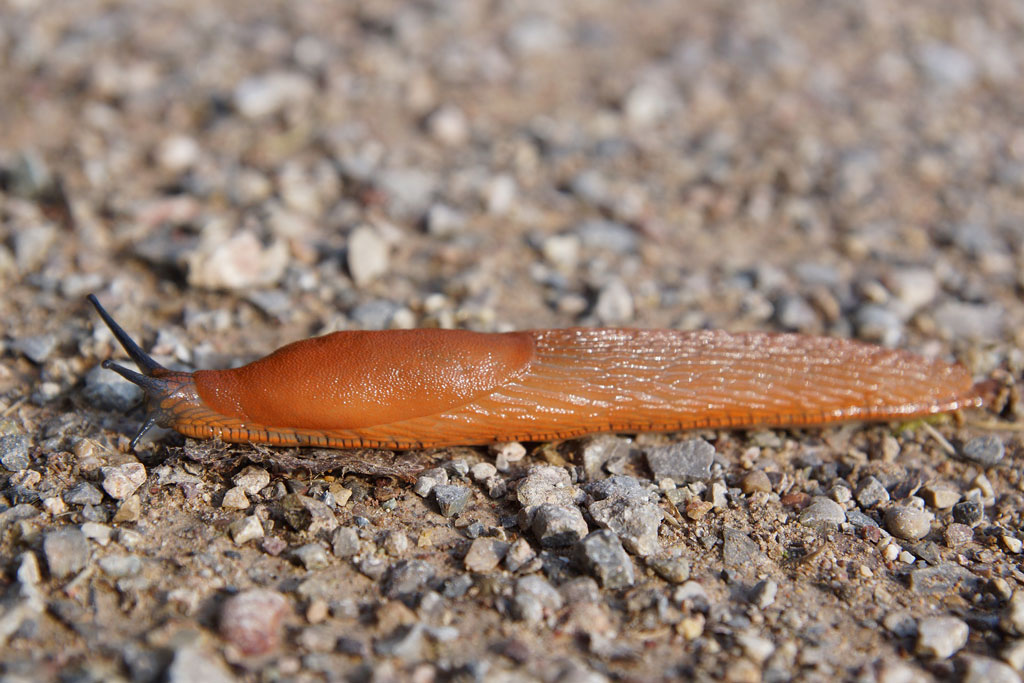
{"points": [[425, 388]]}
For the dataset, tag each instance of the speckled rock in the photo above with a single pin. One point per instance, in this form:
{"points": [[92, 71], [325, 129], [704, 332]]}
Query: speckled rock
{"points": [[908, 523], [253, 620], [941, 637]]}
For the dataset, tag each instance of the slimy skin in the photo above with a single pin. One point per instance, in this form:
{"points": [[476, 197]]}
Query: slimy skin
{"points": [[428, 388]]}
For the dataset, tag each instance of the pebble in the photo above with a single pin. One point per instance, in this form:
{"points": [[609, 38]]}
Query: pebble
{"points": [[960, 320], [544, 484], [307, 514], [408, 578], [100, 533], [908, 523], [345, 542], [119, 566], [37, 348], [245, 529], [561, 251], [252, 480], [763, 593], [940, 637], [66, 550], [260, 96], [738, 549], [755, 647], [940, 496], [597, 451], [755, 481], [968, 512], [941, 578], [191, 663], [123, 480], [236, 262], [988, 670], [485, 554], [674, 569], [448, 125], [410, 191], [794, 313], [557, 526], [253, 620], [984, 450], [601, 553], [482, 471], [519, 555], [451, 499], [947, 66], [312, 556], [177, 153], [130, 510], [597, 233], [823, 511], [406, 643], [368, 255], [1011, 543], [83, 493], [534, 597], [107, 390], [879, 325], [1012, 620], [235, 499], [870, 493], [614, 304], [427, 480], [635, 523], [14, 452], [957, 535], [507, 453], [396, 543], [683, 462]]}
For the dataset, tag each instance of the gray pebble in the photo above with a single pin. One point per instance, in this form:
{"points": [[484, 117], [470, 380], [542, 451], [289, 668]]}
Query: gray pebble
{"points": [[870, 493], [485, 554], [545, 484], [984, 450], [312, 556], [443, 221], [763, 593], [635, 523], [106, 389], [408, 578], [307, 514], [1012, 620], [409, 191], [191, 663], [859, 520], [66, 550], [376, 314], [794, 313], [118, 566], [947, 66], [598, 450], [879, 325], [908, 523], [345, 542], [14, 452], [519, 554], [601, 553], [738, 549], [957, 535], [823, 511], [960, 320], [621, 486], [557, 526], [121, 481], [988, 670], [941, 637], [252, 479], [266, 94], [533, 597], [942, 578], [368, 255], [406, 643], [604, 234], [37, 348], [683, 462], [968, 512], [614, 304], [451, 499], [674, 569]]}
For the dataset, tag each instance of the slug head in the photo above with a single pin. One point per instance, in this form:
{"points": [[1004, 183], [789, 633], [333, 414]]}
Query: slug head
{"points": [[167, 391]]}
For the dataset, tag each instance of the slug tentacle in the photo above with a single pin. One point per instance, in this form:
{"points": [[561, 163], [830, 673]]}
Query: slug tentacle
{"points": [[164, 389]]}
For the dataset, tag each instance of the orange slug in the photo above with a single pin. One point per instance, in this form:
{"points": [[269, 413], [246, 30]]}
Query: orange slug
{"points": [[426, 388]]}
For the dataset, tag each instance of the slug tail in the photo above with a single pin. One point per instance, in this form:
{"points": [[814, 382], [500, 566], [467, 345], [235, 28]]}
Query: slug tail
{"points": [[142, 359]]}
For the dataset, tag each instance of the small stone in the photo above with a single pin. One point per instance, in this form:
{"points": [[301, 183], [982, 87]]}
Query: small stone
{"points": [[130, 509], [251, 480], [317, 611], [252, 620], [763, 593], [54, 506], [123, 480], [177, 153], [1013, 654], [368, 255], [696, 509], [408, 578], [957, 535], [683, 462], [738, 549], [823, 511], [235, 499], [757, 648], [66, 550], [14, 452], [1011, 543], [482, 471], [507, 453], [273, 545], [312, 556], [879, 325], [485, 554], [597, 451], [635, 523], [908, 523], [119, 566], [988, 670], [673, 569], [535, 596], [83, 493], [37, 348], [448, 125], [396, 543], [1012, 620], [614, 304], [755, 481], [519, 554], [345, 542], [237, 262], [984, 450], [968, 512], [425, 484], [105, 389], [307, 514], [246, 529], [940, 496], [601, 554], [557, 526], [941, 637], [870, 493], [191, 663], [100, 533], [451, 499], [266, 94], [406, 643]]}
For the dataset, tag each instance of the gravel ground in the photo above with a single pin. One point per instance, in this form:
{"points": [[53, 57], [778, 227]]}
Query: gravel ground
{"points": [[228, 177]]}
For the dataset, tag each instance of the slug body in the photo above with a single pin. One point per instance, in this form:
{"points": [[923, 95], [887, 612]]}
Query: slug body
{"points": [[428, 388]]}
